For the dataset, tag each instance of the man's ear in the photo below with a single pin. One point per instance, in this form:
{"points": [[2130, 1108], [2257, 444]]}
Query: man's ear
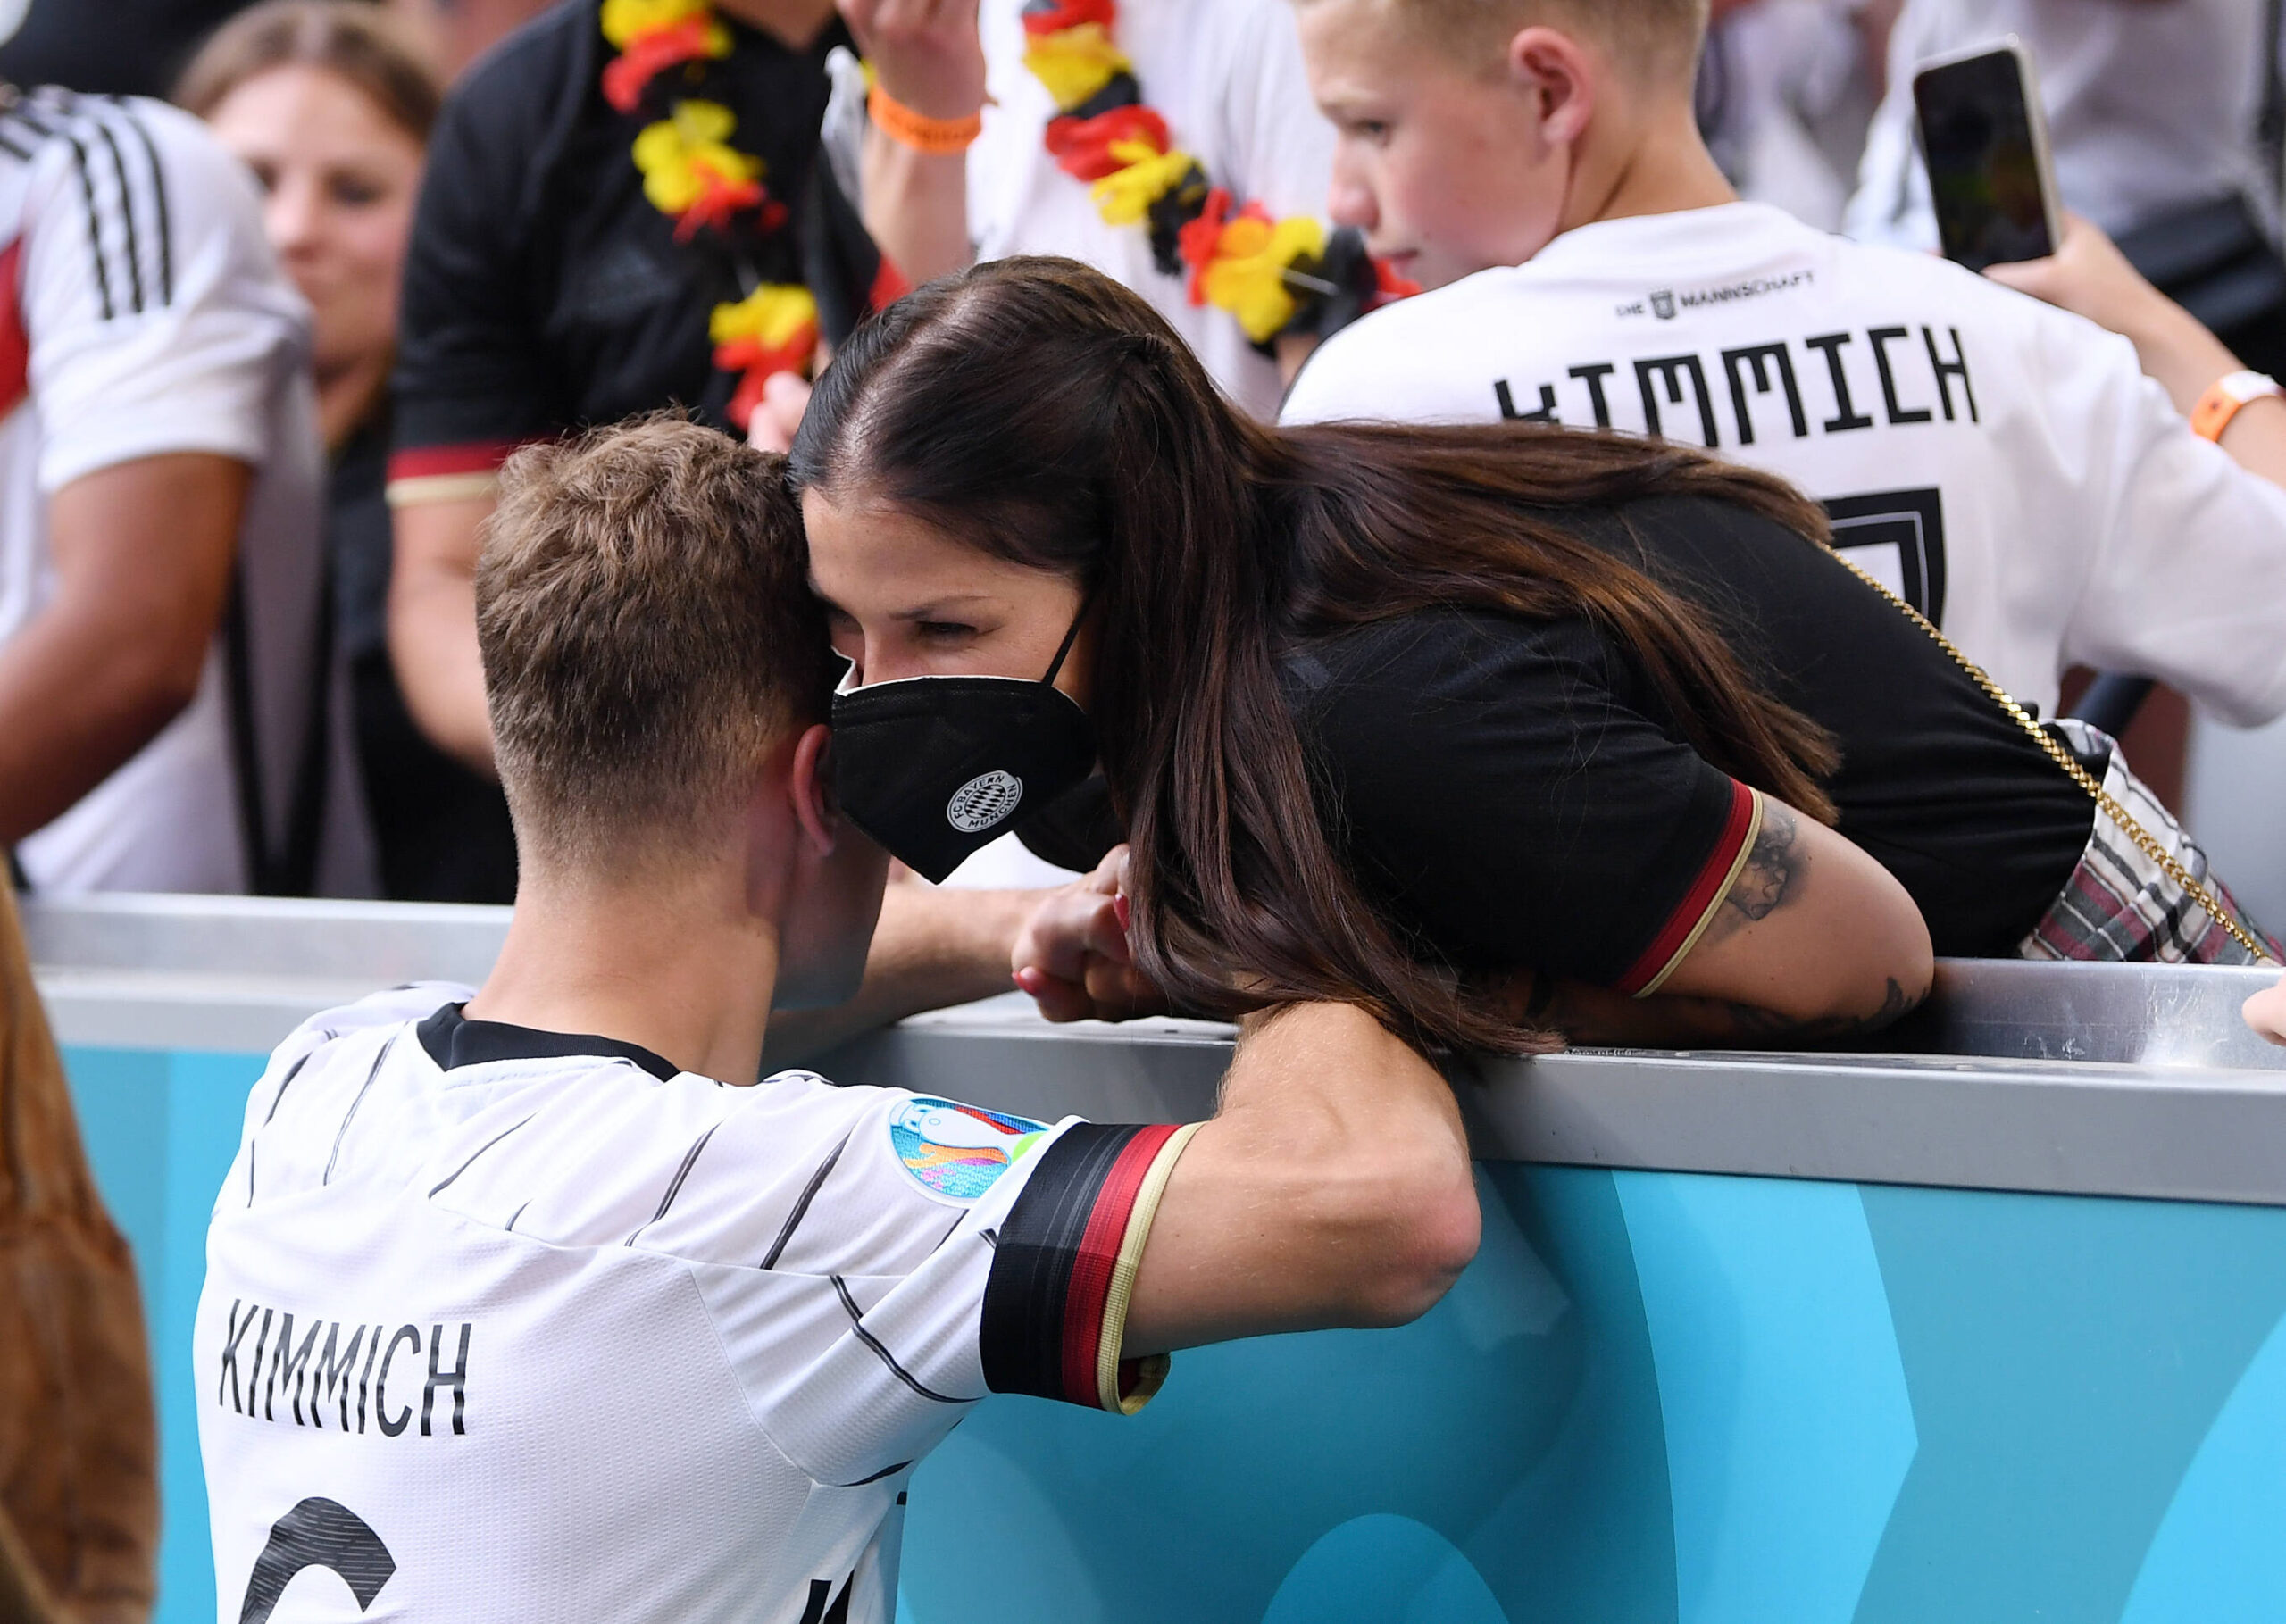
{"points": [[1556, 70], [810, 787]]}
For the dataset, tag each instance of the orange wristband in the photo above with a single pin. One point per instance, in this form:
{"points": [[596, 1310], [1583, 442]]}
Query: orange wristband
{"points": [[2222, 399], [937, 137]]}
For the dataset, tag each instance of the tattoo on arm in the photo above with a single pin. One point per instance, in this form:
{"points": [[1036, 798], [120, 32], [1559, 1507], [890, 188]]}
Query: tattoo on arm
{"points": [[1776, 871], [1752, 1020]]}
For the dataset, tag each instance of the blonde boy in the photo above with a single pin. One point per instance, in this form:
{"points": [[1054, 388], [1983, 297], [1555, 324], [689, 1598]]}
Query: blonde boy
{"points": [[2005, 466]]}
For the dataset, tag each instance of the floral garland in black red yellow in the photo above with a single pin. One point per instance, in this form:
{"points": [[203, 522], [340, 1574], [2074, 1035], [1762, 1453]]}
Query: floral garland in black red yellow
{"points": [[693, 175], [1274, 276]]}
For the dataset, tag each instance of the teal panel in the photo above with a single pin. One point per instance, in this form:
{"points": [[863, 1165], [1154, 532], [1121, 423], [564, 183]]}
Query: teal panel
{"points": [[1384, 1569], [1789, 1430], [122, 1098], [2066, 1356], [2220, 1556], [1516, 1427], [208, 1111], [1585, 1530], [161, 1131]]}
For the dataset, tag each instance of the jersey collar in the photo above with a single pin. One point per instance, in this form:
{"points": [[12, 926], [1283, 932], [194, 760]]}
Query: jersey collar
{"points": [[1651, 243], [452, 1040]]}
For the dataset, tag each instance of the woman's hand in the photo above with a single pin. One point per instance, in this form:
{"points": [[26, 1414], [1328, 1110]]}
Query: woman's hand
{"points": [[2090, 277], [925, 54], [2265, 1012], [1073, 957]]}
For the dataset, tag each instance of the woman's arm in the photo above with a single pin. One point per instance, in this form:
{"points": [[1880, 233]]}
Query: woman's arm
{"points": [[1814, 942]]}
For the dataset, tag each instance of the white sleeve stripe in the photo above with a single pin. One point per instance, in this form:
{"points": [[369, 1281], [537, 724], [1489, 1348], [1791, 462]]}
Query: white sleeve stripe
{"points": [[158, 193], [120, 264], [802, 1207], [857, 1324], [95, 223], [674, 1186], [126, 214], [159, 203]]}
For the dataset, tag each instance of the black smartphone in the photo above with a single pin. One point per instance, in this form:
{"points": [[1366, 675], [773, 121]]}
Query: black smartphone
{"points": [[1986, 146]]}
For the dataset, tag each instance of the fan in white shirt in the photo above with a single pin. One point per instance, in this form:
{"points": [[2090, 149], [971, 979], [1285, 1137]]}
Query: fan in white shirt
{"points": [[2005, 465], [158, 453], [1227, 76], [509, 1315]]}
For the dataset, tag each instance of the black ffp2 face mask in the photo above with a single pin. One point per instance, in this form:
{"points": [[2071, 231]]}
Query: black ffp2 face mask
{"points": [[936, 768]]}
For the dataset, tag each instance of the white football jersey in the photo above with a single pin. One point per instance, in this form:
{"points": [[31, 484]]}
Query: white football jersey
{"points": [[142, 313], [1227, 77], [2004, 465], [505, 1324]]}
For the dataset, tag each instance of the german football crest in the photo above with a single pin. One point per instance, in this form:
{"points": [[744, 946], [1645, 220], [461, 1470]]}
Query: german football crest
{"points": [[958, 1151]]}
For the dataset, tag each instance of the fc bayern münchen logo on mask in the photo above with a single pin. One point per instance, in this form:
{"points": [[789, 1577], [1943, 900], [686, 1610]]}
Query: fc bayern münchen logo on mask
{"points": [[985, 800]]}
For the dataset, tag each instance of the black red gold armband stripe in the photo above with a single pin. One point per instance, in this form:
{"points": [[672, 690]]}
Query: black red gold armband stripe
{"points": [[1055, 1304]]}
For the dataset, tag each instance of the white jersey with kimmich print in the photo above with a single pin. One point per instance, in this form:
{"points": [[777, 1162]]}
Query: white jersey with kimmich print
{"points": [[142, 314], [1227, 76], [503, 1324], [2005, 466]]}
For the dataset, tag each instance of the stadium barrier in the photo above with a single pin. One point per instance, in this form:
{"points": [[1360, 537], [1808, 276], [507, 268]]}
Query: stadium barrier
{"points": [[1992, 1325]]}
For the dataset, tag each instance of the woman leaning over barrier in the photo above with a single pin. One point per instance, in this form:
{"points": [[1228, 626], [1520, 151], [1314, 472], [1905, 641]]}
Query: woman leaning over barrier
{"points": [[1492, 729]]}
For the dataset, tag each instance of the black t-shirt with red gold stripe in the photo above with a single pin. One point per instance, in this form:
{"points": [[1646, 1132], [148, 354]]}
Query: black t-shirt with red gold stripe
{"points": [[1514, 794], [544, 292]]}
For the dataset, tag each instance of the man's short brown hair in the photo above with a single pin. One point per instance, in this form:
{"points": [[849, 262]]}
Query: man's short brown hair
{"points": [[647, 635], [1648, 38]]}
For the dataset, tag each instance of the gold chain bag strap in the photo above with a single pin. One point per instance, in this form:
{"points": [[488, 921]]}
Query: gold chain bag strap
{"points": [[2143, 838]]}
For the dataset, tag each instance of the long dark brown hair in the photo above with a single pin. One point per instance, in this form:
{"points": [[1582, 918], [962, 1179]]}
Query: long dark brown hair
{"points": [[1043, 413]]}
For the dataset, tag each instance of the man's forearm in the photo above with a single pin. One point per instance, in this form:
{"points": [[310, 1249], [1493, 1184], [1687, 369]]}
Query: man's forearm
{"points": [[142, 551], [1368, 1228], [933, 948], [77, 700], [916, 208]]}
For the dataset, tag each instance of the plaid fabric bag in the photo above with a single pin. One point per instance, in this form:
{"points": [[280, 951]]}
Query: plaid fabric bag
{"points": [[2122, 904]]}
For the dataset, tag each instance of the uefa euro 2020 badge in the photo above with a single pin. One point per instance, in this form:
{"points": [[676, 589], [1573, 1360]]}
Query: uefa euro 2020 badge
{"points": [[958, 1151]]}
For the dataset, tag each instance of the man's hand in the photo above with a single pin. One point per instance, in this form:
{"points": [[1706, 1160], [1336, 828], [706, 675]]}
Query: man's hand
{"points": [[2265, 1012], [775, 421], [1073, 955], [143, 554], [926, 53]]}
